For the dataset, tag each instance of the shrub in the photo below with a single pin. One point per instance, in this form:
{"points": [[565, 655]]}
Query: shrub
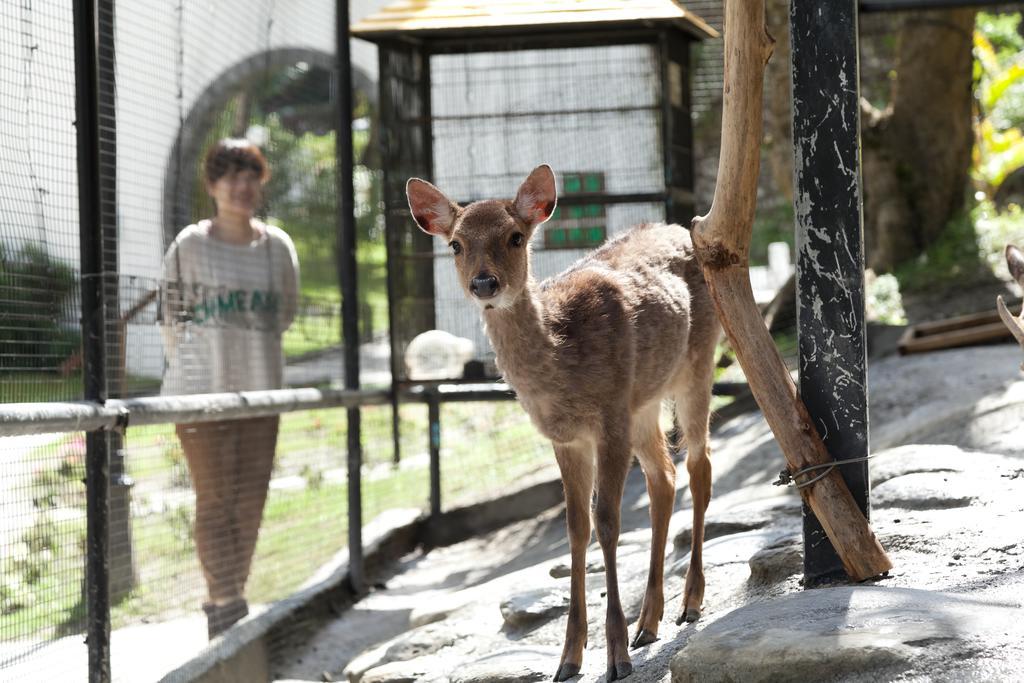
{"points": [[36, 291]]}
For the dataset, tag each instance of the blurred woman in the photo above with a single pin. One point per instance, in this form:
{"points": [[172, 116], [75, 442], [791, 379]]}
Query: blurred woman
{"points": [[230, 291]]}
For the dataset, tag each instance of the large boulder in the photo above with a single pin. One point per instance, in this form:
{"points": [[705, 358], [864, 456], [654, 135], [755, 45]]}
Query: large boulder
{"points": [[853, 633]]}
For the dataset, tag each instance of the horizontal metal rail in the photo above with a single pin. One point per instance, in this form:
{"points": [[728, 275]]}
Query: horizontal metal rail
{"points": [[452, 393], [87, 416], [19, 419]]}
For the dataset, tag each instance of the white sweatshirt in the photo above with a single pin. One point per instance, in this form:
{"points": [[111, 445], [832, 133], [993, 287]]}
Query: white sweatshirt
{"points": [[224, 309]]}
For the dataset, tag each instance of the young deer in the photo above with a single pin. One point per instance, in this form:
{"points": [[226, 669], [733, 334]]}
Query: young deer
{"points": [[591, 353]]}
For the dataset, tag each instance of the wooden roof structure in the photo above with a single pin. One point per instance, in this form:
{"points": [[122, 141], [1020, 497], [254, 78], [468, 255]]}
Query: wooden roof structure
{"points": [[482, 18]]}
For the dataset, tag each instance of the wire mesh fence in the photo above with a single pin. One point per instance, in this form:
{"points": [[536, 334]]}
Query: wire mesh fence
{"points": [[210, 519], [42, 530], [489, 449], [612, 117], [43, 542], [173, 78]]}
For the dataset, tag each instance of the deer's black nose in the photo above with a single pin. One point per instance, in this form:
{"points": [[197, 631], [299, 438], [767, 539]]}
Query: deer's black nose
{"points": [[483, 286]]}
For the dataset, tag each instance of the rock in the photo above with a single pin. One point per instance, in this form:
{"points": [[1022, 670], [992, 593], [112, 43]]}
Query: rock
{"points": [[777, 562], [559, 571], [631, 541], [729, 519], [731, 549], [931, 397], [897, 462], [438, 608], [562, 569], [421, 641], [857, 633], [510, 666], [529, 608], [926, 491], [410, 645], [419, 669]]}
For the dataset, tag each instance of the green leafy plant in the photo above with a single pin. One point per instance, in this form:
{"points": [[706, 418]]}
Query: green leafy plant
{"points": [[36, 291], [883, 300], [175, 457], [999, 73]]}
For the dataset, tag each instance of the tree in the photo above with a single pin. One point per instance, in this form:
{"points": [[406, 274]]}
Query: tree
{"points": [[916, 148], [917, 151]]}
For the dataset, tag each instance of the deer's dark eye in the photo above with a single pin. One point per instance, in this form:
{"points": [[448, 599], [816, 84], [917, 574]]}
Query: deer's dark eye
{"points": [[517, 239], [456, 247]]}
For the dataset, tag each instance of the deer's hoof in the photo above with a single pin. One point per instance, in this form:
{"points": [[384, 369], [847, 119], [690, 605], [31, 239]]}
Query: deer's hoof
{"points": [[619, 671], [688, 615], [643, 637], [566, 671]]}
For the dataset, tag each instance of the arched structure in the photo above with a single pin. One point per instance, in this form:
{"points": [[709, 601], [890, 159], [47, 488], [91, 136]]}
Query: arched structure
{"points": [[187, 148]]}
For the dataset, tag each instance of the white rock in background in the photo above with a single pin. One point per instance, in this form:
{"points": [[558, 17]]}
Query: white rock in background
{"points": [[436, 354]]}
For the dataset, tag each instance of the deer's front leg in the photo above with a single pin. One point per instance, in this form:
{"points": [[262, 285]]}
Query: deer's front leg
{"points": [[577, 467], [613, 460]]}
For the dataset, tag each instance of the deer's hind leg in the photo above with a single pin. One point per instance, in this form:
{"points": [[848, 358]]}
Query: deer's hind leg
{"points": [[660, 474], [693, 406]]}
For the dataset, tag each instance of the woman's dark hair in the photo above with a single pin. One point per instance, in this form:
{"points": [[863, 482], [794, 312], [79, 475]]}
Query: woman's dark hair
{"points": [[232, 155]]}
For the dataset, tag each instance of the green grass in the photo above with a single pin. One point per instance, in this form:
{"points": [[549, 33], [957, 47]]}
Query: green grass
{"points": [[44, 387], [39, 387], [318, 325]]}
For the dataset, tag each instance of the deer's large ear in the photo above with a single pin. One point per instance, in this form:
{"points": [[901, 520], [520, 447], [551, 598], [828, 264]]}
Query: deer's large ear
{"points": [[432, 211], [1015, 262], [535, 201]]}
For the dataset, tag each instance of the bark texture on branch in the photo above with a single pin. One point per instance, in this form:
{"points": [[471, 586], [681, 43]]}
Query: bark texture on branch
{"points": [[722, 241]]}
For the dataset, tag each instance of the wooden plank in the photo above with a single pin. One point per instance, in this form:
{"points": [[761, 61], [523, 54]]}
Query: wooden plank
{"points": [[958, 323], [437, 15], [913, 342]]}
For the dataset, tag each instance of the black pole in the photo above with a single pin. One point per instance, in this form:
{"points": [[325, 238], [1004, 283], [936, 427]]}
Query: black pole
{"points": [[830, 246], [434, 422], [392, 243], [347, 276], [122, 557], [94, 372]]}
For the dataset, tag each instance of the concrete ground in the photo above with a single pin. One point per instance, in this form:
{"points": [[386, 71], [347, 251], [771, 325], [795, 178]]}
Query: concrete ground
{"points": [[143, 652], [948, 505]]}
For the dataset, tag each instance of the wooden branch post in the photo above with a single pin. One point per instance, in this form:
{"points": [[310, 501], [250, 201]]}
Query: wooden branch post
{"points": [[722, 241]]}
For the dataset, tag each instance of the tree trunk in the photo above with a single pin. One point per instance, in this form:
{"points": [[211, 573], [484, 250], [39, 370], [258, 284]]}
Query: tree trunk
{"points": [[722, 244], [917, 152], [778, 111]]}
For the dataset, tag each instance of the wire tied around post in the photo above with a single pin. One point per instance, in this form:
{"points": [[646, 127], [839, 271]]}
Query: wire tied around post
{"points": [[123, 415], [787, 478]]}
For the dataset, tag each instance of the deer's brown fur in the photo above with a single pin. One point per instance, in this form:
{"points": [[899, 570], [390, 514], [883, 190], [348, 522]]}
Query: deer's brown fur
{"points": [[591, 353]]}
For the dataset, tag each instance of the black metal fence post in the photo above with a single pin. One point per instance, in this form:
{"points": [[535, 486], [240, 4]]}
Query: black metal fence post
{"points": [[93, 337], [347, 277], [434, 426], [830, 245], [122, 559]]}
